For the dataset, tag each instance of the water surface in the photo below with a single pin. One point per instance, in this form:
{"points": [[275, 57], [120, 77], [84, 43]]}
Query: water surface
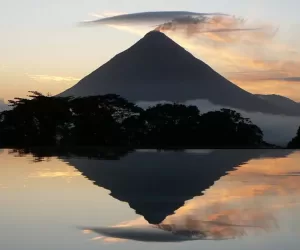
{"points": [[209, 199]]}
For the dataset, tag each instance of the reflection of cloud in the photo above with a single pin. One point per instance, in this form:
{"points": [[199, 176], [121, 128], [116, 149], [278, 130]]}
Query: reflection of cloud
{"points": [[228, 44], [144, 234], [22, 173], [69, 174], [139, 222], [244, 202], [219, 222], [187, 227], [54, 78]]}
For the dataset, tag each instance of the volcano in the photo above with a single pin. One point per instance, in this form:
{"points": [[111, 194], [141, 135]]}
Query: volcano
{"points": [[158, 69]]}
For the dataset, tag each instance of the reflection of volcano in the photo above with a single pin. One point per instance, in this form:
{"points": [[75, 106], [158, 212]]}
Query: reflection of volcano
{"points": [[157, 184]]}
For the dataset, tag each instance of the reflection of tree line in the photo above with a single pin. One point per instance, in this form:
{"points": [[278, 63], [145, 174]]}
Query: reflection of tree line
{"points": [[110, 120], [42, 153]]}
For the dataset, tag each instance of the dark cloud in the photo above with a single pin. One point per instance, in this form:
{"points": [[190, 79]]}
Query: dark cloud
{"points": [[265, 75], [158, 17], [285, 79], [191, 22], [154, 234], [191, 230], [146, 234], [214, 28]]}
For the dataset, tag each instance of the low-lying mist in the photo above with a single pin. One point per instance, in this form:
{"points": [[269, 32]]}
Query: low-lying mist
{"points": [[3, 105], [277, 129]]}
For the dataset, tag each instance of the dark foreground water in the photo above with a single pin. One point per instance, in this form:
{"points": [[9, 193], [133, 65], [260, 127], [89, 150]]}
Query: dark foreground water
{"points": [[198, 199]]}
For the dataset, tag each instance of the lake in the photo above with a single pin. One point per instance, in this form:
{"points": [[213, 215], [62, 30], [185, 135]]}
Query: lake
{"points": [[148, 199]]}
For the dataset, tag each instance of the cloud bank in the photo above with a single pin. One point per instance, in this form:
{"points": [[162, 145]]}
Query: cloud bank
{"points": [[41, 78], [3, 105], [250, 53]]}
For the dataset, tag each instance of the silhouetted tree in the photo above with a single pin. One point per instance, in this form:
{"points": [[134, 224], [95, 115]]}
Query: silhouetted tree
{"points": [[295, 142], [38, 120], [134, 129], [111, 120], [228, 128], [170, 125], [97, 120]]}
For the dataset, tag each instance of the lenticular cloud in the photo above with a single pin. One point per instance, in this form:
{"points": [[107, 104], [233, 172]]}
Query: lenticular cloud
{"points": [[158, 18], [191, 22]]}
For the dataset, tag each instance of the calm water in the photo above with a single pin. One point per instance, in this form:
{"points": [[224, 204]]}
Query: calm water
{"points": [[201, 199]]}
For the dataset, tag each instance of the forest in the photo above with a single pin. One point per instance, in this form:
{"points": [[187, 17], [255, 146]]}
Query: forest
{"points": [[112, 121]]}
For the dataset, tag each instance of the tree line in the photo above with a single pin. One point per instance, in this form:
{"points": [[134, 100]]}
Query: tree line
{"points": [[295, 142], [112, 121]]}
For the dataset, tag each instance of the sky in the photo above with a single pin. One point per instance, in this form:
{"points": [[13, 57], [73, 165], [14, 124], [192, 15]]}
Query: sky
{"points": [[42, 47]]}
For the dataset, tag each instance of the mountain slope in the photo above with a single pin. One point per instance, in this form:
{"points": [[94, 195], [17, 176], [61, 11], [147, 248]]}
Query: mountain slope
{"points": [[281, 102], [156, 68]]}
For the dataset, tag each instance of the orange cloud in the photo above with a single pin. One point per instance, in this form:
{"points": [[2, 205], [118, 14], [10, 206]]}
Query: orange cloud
{"points": [[18, 84], [42, 78], [69, 174]]}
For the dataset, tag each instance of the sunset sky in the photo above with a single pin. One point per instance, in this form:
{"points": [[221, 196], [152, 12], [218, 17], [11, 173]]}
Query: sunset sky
{"points": [[42, 48]]}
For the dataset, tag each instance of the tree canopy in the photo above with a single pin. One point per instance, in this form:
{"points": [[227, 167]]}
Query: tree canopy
{"points": [[295, 142], [111, 120]]}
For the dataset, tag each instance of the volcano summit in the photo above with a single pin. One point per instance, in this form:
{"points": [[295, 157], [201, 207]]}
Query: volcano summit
{"points": [[156, 68]]}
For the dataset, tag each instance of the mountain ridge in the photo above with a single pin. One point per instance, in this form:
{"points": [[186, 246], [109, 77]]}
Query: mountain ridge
{"points": [[280, 101], [156, 68]]}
